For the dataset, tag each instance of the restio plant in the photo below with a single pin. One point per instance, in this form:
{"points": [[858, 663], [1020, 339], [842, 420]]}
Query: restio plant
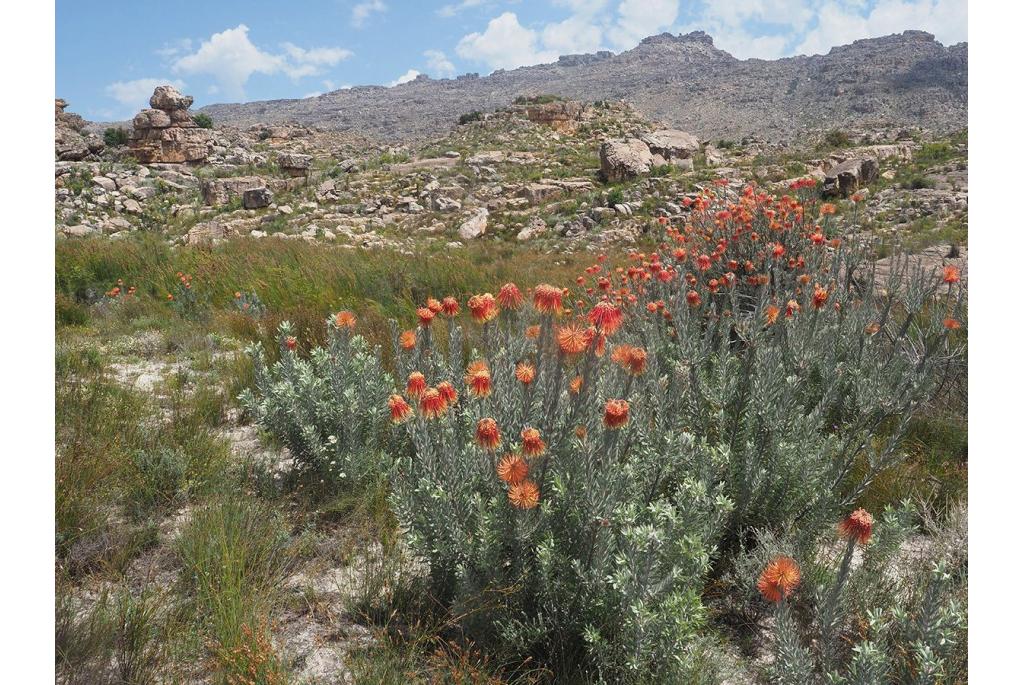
{"points": [[202, 120], [573, 466]]}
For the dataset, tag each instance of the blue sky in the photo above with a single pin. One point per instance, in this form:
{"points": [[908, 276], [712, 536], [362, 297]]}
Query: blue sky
{"points": [[110, 55]]}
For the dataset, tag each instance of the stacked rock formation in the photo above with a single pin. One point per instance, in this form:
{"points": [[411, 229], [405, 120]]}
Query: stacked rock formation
{"points": [[166, 132], [563, 116], [70, 141]]}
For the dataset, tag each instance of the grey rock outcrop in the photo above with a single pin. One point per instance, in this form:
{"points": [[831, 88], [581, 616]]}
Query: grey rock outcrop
{"points": [[166, 133], [475, 226], [847, 178], [257, 198]]}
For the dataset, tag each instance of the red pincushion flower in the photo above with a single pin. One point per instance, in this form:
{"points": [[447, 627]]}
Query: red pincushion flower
{"points": [[524, 495], [487, 434], [533, 446], [820, 297], [432, 403], [950, 274], [512, 469], [450, 306], [425, 315], [525, 373], [632, 359], [616, 413], [547, 299], [606, 317], [400, 409], [448, 392], [478, 379], [291, 343], [779, 579], [532, 332], [509, 296], [484, 308], [693, 298], [416, 384], [345, 319], [703, 262], [857, 526], [407, 340], [951, 324]]}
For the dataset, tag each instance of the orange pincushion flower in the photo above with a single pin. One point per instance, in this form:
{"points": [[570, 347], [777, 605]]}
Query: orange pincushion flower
{"points": [[574, 338], [416, 384], [478, 379], [524, 495], [575, 385], [703, 262], [291, 343], [432, 403], [779, 579], [792, 307], [407, 339], [950, 274], [533, 446], [819, 298], [632, 359], [872, 328], [345, 319], [857, 526], [771, 314], [951, 324], [487, 434], [616, 413], [547, 299], [512, 469], [400, 409], [509, 296], [425, 315], [450, 306], [606, 317], [525, 372], [532, 332], [435, 306], [484, 308], [448, 392]]}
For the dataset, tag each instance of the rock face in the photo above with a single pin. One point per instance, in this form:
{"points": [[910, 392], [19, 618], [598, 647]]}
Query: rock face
{"points": [[564, 117], [256, 198], [69, 143], [166, 133], [845, 179], [294, 164], [624, 159], [907, 79]]}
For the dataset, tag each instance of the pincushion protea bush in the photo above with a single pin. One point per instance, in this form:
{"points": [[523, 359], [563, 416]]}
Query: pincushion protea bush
{"points": [[574, 462], [329, 410]]}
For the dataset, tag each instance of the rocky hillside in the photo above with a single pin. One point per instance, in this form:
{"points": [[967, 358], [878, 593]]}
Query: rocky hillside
{"points": [[684, 81]]}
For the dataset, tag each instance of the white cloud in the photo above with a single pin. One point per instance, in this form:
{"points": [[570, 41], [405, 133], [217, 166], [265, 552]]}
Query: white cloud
{"points": [[135, 94], [576, 34], [438, 63], [231, 59], [175, 48], [638, 19], [404, 78], [453, 9], [312, 95], [505, 44], [362, 12], [838, 23]]}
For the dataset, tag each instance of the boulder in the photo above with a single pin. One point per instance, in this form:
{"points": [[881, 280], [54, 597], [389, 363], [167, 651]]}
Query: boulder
{"points": [[563, 117], [845, 179], [168, 98], [294, 164], [538, 193], [535, 228], [257, 198], [672, 144], [475, 226], [220, 191], [624, 159]]}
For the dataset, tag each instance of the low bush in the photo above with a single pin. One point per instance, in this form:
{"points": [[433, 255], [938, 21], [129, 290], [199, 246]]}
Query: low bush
{"points": [[574, 487], [115, 137], [202, 120]]}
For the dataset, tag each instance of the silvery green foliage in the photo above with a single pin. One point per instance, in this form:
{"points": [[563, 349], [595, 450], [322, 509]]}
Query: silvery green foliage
{"points": [[911, 630], [795, 407], [329, 410], [610, 565]]}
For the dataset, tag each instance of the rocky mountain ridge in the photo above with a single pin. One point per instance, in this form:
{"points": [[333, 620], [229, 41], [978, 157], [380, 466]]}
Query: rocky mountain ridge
{"points": [[684, 81]]}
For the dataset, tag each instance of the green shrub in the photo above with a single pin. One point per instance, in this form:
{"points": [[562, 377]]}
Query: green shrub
{"points": [[615, 197], [202, 120], [157, 478], [115, 137], [470, 117]]}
